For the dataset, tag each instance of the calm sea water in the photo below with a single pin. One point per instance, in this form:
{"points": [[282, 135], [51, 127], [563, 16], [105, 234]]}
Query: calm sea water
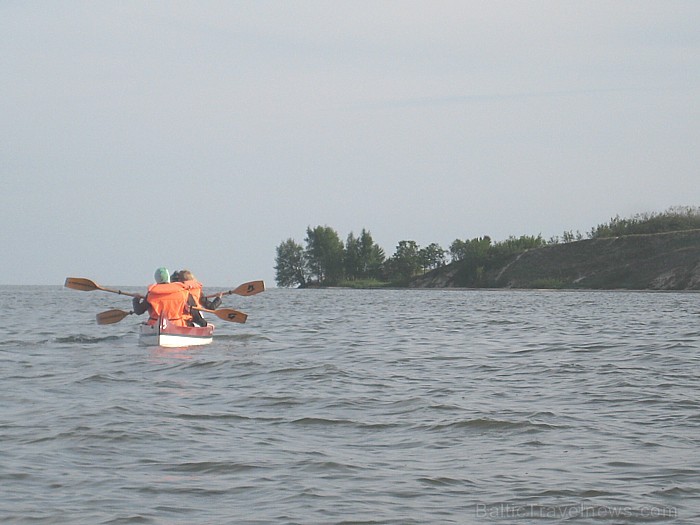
{"points": [[340, 406]]}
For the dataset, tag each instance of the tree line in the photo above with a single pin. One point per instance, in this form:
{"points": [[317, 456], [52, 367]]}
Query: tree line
{"points": [[326, 260]]}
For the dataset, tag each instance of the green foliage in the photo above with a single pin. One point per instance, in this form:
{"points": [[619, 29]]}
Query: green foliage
{"points": [[513, 245], [570, 236], [360, 262], [475, 249], [324, 254], [352, 258], [475, 257], [290, 267], [431, 257], [372, 256], [363, 258], [406, 262], [363, 283], [326, 261], [679, 218]]}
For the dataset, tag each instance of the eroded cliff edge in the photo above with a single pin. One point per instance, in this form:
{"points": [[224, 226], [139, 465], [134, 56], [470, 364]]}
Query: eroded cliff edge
{"points": [[663, 261]]}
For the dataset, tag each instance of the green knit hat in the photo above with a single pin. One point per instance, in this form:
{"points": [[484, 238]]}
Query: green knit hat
{"points": [[162, 275]]}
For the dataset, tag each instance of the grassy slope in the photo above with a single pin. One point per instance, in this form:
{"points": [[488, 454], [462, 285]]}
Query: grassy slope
{"points": [[665, 261]]}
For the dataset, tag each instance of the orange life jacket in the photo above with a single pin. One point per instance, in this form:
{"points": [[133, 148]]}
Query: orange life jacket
{"points": [[167, 300], [194, 287]]}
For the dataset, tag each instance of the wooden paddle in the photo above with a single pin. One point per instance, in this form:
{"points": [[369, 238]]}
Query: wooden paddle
{"points": [[86, 285], [114, 316], [227, 314], [111, 316], [245, 289]]}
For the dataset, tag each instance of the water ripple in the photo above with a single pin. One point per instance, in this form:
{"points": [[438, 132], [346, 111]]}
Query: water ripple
{"points": [[418, 407]]}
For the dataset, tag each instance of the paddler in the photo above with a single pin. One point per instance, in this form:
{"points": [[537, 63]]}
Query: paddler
{"points": [[194, 287], [164, 300]]}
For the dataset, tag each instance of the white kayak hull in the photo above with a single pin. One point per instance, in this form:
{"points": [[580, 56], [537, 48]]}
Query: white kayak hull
{"points": [[171, 336]]}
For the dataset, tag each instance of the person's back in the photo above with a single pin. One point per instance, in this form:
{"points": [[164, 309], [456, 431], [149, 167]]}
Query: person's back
{"points": [[195, 289], [168, 301], [164, 300], [195, 299]]}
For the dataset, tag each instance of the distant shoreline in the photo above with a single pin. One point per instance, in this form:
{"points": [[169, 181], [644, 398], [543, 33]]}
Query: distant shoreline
{"points": [[668, 261]]}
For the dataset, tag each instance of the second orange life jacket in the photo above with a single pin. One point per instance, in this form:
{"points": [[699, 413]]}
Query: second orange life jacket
{"points": [[194, 287]]}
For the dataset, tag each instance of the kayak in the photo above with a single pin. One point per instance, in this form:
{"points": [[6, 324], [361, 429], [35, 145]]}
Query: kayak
{"points": [[172, 336], [164, 334]]}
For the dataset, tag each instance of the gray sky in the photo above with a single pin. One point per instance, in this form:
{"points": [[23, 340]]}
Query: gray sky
{"points": [[202, 134]]}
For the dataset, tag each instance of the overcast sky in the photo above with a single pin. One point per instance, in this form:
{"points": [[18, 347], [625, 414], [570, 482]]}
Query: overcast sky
{"points": [[202, 134]]}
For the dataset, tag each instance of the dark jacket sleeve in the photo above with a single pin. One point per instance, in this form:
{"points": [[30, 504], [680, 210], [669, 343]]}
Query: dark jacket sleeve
{"points": [[211, 305], [139, 305]]}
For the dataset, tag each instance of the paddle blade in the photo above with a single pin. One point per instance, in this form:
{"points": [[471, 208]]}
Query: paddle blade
{"points": [[227, 314], [78, 283], [111, 316], [244, 289], [250, 288], [86, 285]]}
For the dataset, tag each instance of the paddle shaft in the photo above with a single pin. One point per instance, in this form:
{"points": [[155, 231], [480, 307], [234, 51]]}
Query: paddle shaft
{"points": [[87, 285]]}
